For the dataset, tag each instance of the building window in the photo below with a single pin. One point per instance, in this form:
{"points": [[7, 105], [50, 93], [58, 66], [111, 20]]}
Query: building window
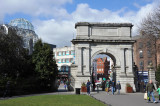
{"points": [[59, 53], [72, 52], [67, 60], [67, 52], [141, 64], [63, 60], [140, 45], [140, 54], [67, 68], [149, 61], [71, 60], [63, 68], [64, 53], [148, 44], [59, 61], [149, 53]]}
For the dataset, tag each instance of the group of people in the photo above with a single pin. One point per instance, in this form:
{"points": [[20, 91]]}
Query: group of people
{"points": [[107, 86], [111, 86], [150, 92]]}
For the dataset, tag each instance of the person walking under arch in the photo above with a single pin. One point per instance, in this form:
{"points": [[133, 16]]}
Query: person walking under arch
{"points": [[107, 86], [113, 87]]}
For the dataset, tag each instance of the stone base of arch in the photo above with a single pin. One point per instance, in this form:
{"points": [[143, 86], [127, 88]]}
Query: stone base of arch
{"points": [[77, 80]]}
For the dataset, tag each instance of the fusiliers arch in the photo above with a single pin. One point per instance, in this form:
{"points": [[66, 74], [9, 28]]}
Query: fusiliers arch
{"points": [[113, 39]]}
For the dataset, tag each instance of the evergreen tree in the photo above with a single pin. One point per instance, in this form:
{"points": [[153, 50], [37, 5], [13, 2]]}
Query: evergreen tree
{"points": [[45, 65]]}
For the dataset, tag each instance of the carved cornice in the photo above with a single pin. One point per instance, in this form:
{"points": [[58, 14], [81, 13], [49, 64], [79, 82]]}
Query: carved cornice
{"points": [[101, 41]]}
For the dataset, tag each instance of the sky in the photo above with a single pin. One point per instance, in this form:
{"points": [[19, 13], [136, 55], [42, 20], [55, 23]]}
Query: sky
{"points": [[54, 20]]}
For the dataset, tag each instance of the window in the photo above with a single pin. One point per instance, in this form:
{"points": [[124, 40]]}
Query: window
{"points": [[149, 61], [140, 54], [59, 53], [63, 68], [140, 45], [67, 60], [148, 44], [59, 61], [149, 53], [67, 52], [63, 60], [71, 60], [72, 52], [67, 68], [64, 53], [141, 64]]}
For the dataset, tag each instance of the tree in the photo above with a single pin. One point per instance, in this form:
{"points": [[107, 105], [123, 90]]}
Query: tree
{"points": [[151, 24], [11, 53], [158, 75], [150, 30], [45, 65]]}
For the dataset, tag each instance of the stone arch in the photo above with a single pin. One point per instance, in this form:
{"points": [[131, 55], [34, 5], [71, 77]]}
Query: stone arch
{"points": [[110, 53]]}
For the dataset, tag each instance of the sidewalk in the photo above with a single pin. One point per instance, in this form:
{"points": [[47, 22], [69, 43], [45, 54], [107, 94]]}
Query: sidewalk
{"points": [[129, 99]]}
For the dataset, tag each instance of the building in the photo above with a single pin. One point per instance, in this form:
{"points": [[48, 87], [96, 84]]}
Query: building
{"points": [[51, 46], [64, 58], [102, 68], [25, 29], [146, 51]]}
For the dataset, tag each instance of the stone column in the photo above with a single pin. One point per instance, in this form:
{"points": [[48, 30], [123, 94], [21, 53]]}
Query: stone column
{"points": [[123, 64], [130, 62], [87, 59], [80, 56]]}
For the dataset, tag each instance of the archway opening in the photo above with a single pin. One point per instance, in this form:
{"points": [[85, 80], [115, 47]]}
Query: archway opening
{"points": [[103, 69]]}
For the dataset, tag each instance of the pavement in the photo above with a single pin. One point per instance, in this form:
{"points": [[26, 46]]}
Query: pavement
{"points": [[128, 99]]}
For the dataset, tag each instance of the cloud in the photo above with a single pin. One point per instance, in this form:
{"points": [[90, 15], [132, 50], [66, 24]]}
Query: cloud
{"points": [[55, 32], [60, 32], [59, 27], [34, 8], [137, 5]]}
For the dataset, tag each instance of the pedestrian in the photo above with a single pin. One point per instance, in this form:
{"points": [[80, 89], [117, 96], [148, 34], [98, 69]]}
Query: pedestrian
{"points": [[67, 83], [65, 86], [8, 90], [107, 86], [88, 87], [103, 85], [158, 90], [113, 87], [118, 86], [149, 89]]}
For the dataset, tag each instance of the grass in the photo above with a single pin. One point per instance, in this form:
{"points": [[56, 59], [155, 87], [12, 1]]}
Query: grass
{"points": [[52, 100]]}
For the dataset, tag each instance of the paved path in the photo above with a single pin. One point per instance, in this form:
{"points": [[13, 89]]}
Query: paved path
{"points": [[130, 99]]}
